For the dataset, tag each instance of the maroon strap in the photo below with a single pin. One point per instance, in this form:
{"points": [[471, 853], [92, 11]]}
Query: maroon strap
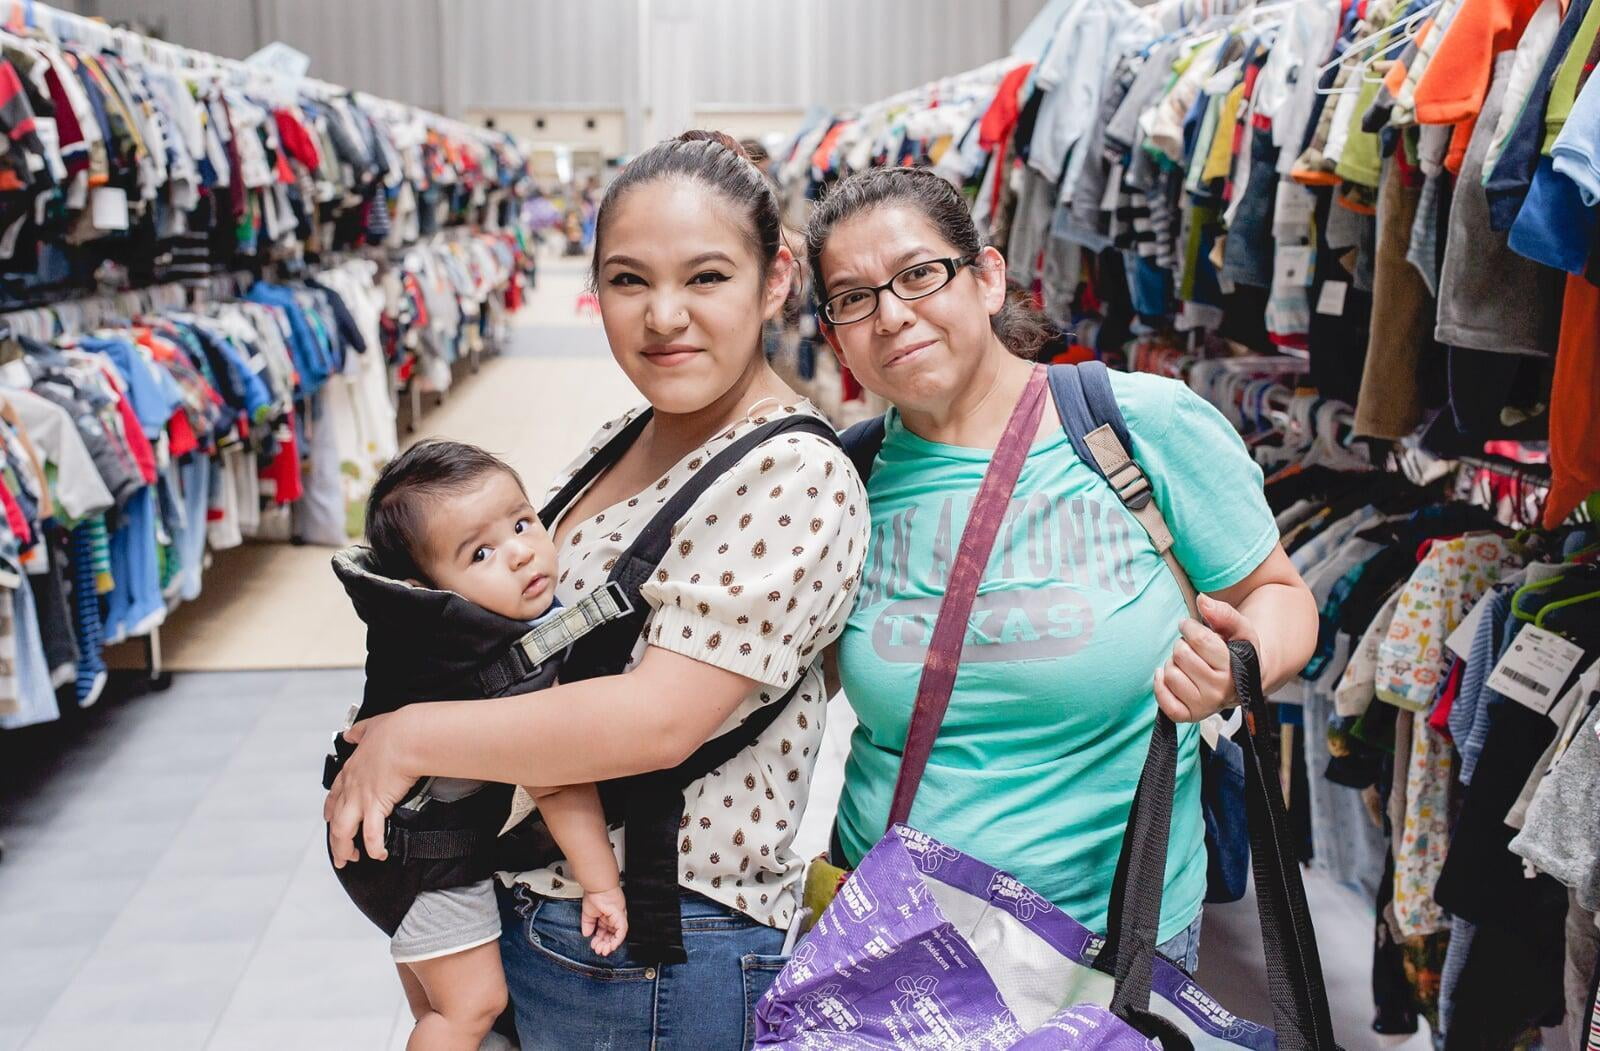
{"points": [[950, 629]]}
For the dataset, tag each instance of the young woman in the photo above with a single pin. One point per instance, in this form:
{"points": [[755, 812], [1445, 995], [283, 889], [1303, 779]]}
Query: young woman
{"points": [[688, 265], [1079, 632]]}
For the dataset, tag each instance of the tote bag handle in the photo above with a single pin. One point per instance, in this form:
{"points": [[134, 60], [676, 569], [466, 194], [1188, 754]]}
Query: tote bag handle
{"points": [[1294, 970], [950, 627]]}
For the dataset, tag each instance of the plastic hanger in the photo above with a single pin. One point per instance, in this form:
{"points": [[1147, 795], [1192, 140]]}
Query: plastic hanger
{"points": [[1379, 38]]}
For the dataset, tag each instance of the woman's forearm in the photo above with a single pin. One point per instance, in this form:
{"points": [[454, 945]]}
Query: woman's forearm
{"points": [[591, 730], [1285, 619]]}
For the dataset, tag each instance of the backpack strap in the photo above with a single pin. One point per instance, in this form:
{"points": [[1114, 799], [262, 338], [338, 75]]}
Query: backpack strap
{"points": [[861, 443], [1099, 434], [652, 804]]}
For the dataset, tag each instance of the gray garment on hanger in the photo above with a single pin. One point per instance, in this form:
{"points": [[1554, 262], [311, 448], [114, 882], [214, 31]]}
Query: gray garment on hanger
{"points": [[1491, 298], [319, 514], [1561, 832], [1030, 225], [1583, 952]]}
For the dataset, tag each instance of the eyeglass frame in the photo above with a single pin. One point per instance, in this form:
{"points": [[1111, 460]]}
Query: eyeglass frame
{"points": [[952, 265]]}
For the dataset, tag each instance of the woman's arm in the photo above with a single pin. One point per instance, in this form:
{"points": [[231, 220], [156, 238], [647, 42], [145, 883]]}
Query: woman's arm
{"points": [[651, 717], [1272, 608]]}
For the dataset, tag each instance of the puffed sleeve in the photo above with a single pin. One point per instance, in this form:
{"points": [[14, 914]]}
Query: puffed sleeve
{"points": [[763, 569]]}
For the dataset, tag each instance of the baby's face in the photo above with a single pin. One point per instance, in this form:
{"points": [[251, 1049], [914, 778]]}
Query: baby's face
{"points": [[488, 546]]}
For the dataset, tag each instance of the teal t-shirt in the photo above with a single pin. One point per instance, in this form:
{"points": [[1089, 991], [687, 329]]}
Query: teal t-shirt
{"points": [[1036, 762]]}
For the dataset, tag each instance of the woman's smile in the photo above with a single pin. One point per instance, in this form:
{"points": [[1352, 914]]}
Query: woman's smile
{"points": [[669, 355], [903, 355]]}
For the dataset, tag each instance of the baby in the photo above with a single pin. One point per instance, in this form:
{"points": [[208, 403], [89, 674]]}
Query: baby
{"points": [[450, 520]]}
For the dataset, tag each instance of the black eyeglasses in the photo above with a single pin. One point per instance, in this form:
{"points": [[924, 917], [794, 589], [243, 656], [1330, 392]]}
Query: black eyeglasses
{"points": [[917, 281]]}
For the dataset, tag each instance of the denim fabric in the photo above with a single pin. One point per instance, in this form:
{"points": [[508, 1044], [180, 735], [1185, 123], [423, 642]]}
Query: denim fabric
{"points": [[566, 998], [1247, 254], [1222, 791], [1184, 949]]}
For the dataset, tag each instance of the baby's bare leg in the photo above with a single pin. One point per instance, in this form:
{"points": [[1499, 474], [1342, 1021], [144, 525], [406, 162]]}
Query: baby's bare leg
{"points": [[466, 992], [416, 996]]}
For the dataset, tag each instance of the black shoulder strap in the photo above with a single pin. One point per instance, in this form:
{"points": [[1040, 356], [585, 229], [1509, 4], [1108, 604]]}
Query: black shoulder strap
{"points": [[605, 651], [861, 442], [597, 464]]}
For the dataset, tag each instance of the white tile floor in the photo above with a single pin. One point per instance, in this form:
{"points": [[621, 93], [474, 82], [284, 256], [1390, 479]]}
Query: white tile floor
{"points": [[165, 883]]}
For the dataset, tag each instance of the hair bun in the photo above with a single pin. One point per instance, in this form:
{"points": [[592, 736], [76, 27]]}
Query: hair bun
{"points": [[722, 139]]}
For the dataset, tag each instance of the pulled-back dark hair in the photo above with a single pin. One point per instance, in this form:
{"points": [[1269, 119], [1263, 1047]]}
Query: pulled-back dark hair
{"points": [[408, 485], [1019, 324], [714, 160]]}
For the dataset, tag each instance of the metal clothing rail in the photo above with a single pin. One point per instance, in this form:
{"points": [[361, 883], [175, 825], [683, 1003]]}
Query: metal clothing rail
{"points": [[68, 26]]}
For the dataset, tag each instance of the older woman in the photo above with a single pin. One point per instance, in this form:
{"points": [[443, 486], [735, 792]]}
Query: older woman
{"points": [[1079, 632]]}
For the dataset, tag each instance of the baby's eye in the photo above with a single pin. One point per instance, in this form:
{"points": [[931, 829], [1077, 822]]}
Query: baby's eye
{"points": [[523, 525], [481, 554]]}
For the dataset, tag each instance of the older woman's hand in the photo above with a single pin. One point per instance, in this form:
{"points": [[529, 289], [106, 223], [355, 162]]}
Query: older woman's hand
{"points": [[373, 782], [1197, 680]]}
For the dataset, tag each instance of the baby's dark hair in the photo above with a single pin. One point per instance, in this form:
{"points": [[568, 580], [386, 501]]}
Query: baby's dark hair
{"points": [[411, 485]]}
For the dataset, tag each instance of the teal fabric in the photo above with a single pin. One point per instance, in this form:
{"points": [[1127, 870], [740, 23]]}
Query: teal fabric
{"points": [[1038, 757]]}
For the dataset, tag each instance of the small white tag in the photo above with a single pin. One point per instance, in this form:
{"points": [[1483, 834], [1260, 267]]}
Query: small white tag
{"points": [[1293, 265], [350, 716], [1108, 200], [108, 206], [1293, 208], [1533, 670], [1331, 300], [1460, 640]]}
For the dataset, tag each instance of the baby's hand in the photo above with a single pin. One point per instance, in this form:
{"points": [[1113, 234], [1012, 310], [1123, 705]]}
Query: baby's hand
{"points": [[605, 920]]}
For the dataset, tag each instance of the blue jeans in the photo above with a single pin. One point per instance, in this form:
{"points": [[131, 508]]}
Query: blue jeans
{"points": [[1183, 949], [567, 998]]}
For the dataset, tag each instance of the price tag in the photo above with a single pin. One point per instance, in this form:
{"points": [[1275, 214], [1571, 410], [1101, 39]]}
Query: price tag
{"points": [[1293, 208], [1292, 265], [1534, 668], [1108, 200], [1460, 640], [1331, 300]]}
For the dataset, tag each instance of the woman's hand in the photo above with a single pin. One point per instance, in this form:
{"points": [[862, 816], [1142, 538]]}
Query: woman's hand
{"points": [[1197, 680], [373, 782]]}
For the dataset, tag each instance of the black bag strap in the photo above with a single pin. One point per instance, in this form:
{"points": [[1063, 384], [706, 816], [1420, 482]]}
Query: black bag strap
{"points": [[1294, 970]]}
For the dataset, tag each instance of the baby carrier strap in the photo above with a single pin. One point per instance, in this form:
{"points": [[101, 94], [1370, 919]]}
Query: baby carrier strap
{"points": [[651, 804], [596, 465]]}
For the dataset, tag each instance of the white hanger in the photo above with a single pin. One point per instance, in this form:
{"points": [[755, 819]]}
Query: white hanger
{"points": [[1382, 39]]}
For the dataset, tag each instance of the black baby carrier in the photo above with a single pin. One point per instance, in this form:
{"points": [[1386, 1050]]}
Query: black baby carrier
{"points": [[425, 645]]}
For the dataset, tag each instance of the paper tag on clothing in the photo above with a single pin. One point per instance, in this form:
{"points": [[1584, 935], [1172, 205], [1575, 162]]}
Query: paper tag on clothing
{"points": [[1460, 640], [108, 207], [1293, 207], [1331, 299], [1534, 668], [1108, 200], [1292, 265]]}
